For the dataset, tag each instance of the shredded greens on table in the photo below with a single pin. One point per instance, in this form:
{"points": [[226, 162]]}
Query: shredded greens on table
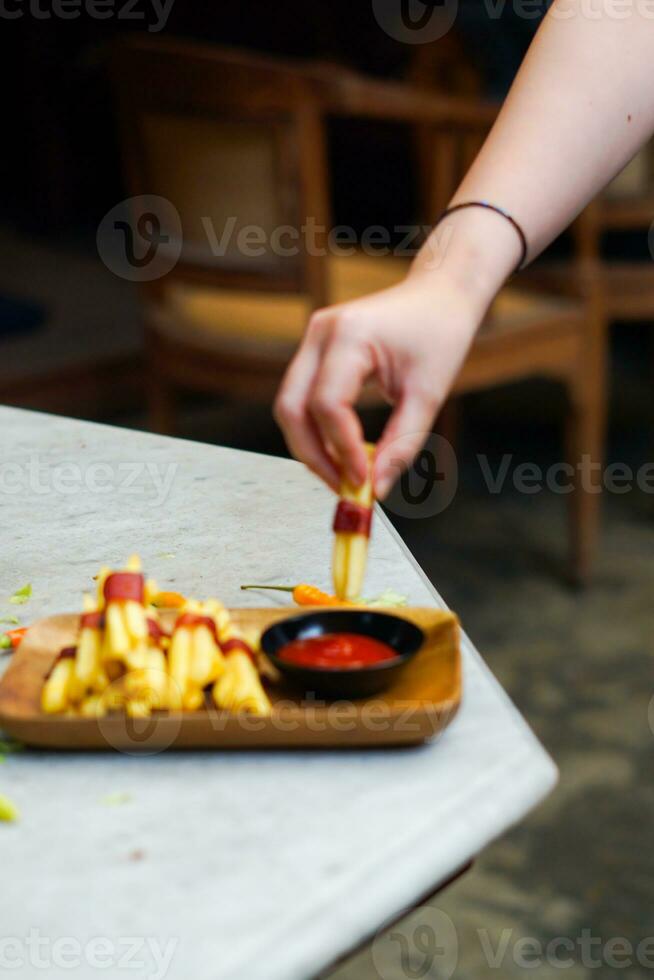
{"points": [[9, 747], [387, 598], [8, 810], [116, 799], [22, 595]]}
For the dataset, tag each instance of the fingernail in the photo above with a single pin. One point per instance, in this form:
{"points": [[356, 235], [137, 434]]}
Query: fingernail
{"points": [[383, 485]]}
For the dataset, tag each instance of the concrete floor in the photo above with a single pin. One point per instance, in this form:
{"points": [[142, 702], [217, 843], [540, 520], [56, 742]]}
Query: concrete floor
{"points": [[579, 666]]}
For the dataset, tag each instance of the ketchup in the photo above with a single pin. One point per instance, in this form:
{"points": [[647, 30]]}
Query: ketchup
{"points": [[337, 651], [124, 585], [352, 518]]}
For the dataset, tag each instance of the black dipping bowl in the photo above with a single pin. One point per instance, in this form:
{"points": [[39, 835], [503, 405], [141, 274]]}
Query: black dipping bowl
{"points": [[362, 682]]}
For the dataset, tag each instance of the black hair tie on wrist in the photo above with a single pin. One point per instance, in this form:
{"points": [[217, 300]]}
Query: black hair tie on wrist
{"points": [[504, 214]]}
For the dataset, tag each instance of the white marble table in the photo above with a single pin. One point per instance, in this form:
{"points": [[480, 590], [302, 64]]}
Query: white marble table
{"points": [[225, 865]]}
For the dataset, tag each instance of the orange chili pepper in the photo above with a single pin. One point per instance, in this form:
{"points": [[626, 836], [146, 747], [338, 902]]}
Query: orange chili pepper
{"points": [[304, 595], [169, 600], [13, 637]]}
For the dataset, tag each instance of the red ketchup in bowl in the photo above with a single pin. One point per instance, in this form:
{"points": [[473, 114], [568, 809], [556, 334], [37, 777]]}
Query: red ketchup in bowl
{"points": [[337, 651]]}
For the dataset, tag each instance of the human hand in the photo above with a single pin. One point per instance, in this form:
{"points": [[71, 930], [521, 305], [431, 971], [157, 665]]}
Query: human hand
{"points": [[411, 340]]}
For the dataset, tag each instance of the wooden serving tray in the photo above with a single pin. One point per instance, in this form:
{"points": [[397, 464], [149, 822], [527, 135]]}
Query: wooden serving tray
{"points": [[422, 702]]}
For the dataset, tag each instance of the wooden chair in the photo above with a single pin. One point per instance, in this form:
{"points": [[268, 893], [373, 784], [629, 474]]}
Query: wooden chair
{"points": [[224, 135], [527, 334], [228, 140], [231, 139], [625, 288], [228, 136]]}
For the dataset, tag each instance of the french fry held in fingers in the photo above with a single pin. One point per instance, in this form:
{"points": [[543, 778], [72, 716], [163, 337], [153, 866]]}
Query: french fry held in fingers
{"points": [[352, 531], [239, 687]]}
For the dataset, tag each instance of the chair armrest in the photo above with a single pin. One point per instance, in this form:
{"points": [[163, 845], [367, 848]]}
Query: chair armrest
{"points": [[346, 93]]}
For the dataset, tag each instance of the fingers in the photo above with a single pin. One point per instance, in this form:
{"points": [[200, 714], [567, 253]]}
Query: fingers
{"points": [[346, 364], [291, 406], [404, 435], [315, 404]]}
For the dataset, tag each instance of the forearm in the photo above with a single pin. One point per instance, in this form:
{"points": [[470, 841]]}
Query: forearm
{"points": [[579, 109], [582, 104]]}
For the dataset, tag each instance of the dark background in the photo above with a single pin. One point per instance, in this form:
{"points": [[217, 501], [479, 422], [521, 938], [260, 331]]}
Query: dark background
{"points": [[60, 162], [577, 664]]}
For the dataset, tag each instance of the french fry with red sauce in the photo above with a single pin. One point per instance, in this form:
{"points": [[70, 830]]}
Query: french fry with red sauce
{"points": [[239, 688], [147, 682], [195, 657], [59, 687], [352, 530], [121, 595], [89, 668], [125, 661]]}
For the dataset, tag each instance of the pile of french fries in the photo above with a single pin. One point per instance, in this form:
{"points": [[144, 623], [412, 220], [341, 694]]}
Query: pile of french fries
{"points": [[126, 660]]}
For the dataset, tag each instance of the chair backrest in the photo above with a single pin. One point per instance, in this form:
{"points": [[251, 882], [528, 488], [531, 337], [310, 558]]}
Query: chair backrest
{"points": [[446, 153], [235, 142]]}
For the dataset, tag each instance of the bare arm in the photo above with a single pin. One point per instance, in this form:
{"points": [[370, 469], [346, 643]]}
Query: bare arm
{"points": [[582, 104]]}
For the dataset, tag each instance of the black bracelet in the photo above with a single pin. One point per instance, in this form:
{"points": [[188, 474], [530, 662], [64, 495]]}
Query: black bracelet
{"points": [[497, 210]]}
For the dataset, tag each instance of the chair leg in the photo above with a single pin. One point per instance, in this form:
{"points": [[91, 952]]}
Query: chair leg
{"points": [[448, 426], [448, 422], [586, 433], [161, 404], [584, 501]]}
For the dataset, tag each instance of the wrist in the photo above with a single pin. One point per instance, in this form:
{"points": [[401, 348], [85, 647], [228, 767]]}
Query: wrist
{"points": [[477, 249]]}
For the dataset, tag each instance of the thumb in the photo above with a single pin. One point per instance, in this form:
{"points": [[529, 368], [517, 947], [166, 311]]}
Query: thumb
{"points": [[406, 432]]}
